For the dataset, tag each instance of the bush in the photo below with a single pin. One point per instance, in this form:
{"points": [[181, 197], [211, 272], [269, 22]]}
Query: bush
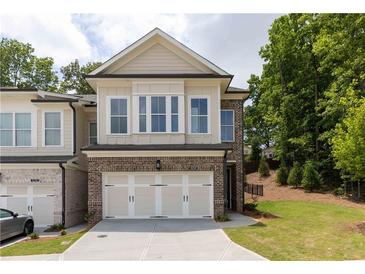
{"points": [[34, 235], [222, 218], [55, 227], [295, 175], [340, 191], [264, 169], [282, 174], [250, 206], [63, 232], [311, 178]]}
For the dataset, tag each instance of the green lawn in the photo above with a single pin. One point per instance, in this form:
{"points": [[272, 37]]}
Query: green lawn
{"points": [[304, 231], [41, 246]]}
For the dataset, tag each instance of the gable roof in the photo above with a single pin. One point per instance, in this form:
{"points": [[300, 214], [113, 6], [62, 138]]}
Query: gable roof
{"points": [[167, 38]]}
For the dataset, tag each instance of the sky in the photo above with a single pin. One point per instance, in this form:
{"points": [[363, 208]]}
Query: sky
{"points": [[231, 41]]}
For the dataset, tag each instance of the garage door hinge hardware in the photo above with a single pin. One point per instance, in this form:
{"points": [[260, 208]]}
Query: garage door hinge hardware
{"points": [[158, 185], [207, 216], [158, 217], [51, 195], [109, 185], [6, 195], [109, 217], [207, 184]]}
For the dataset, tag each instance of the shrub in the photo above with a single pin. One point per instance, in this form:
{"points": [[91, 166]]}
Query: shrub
{"points": [[295, 175], [282, 174], [222, 218], [250, 206], [89, 216], [55, 227], [264, 169], [340, 191], [311, 178], [34, 235], [63, 232]]}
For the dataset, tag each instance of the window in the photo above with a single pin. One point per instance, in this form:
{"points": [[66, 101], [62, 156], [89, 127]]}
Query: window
{"points": [[23, 129], [118, 116], [5, 214], [52, 128], [227, 125], [15, 129], [92, 133], [199, 115], [174, 114], [142, 114], [6, 129], [158, 113]]}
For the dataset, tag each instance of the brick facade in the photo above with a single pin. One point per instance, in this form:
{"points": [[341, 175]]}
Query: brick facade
{"points": [[237, 106], [98, 165]]}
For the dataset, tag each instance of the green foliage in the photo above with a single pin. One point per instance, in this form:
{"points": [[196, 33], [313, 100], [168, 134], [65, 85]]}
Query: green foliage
{"points": [[311, 179], [282, 174], [34, 235], [349, 143], [264, 169], [19, 67], [295, 175], [314, 73], [72, 77], [63, 232], [55, 227], [222, 218], [340, 191], [255, 150]]}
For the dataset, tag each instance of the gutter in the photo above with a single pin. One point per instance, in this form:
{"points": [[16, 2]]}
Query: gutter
{"points": [[63, 193], [74, 127], [243, 172]]}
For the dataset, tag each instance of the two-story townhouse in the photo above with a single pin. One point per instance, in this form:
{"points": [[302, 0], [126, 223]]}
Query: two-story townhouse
{"points": [[42, 171], [169, 134]]}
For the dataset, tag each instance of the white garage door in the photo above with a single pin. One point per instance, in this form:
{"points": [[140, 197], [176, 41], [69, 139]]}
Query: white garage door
{"points": [[37, 201], [158, 195]]}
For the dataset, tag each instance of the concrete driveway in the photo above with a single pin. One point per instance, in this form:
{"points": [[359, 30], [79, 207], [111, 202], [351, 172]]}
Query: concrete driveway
{"points": [[169, 239]]}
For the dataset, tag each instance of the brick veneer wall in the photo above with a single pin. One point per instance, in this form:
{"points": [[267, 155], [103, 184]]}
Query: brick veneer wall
{"points": [[236, 154], [97, 165]]}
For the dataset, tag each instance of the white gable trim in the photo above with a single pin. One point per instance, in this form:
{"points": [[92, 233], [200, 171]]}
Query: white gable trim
{"points": [[167, 37]]}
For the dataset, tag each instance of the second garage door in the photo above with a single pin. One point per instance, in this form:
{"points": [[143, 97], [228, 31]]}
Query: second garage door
{"points": [[158, 195]]}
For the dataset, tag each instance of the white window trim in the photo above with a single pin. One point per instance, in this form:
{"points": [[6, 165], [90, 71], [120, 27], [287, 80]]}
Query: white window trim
{"points": [[233, 120], [108, 117], [208, 112], [180, 114], [44, 129], [88, 132], [13, 129], [175, 113]]}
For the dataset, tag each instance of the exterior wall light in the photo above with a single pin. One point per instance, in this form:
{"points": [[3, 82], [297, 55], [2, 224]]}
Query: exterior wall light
{"points": [[158, 164]]}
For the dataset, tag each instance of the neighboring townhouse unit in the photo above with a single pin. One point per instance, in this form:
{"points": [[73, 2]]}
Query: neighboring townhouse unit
{"points": [[42, 171], [169, 135]]}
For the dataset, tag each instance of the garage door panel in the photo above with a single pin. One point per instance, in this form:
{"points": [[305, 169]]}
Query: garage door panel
{"points": [[199, 201], [116, 201], [43, 208], [171, 179], [43, 190], [144, 180], [118, 180], [17, 204], [144, 201], [172, 201]]}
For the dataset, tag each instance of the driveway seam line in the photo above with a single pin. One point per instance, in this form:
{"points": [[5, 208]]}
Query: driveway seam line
{"points": [[145, 250]]}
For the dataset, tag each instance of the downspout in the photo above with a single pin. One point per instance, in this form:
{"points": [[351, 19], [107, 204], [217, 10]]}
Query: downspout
{"points": [[74, 127], [225, 183], [63, 193]]}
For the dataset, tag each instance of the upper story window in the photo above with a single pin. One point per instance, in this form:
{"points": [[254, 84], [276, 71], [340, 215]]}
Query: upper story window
{"points": [[142, 114], [15, 129], [118, 116], [199, 115], [174, 114], [227, 125], [52, 129], [158, 114], [92, 133]]}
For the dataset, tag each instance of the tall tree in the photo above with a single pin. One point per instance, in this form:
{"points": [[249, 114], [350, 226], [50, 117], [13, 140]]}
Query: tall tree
{"points": [[72, 77], [21, 68]]}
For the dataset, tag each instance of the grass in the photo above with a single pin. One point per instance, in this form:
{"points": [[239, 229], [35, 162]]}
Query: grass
{"points": [[304, 231], [50, 245]]}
